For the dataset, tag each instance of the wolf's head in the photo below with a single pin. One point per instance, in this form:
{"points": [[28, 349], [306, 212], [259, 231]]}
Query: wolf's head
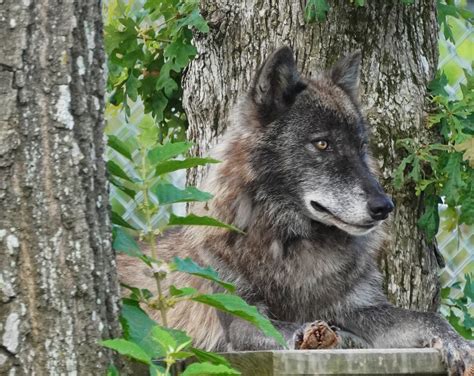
{"points": [[312, 154]]}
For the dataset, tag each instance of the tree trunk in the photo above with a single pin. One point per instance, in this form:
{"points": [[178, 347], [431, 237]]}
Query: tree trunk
{"points": [[59, 292], [399, 48]]}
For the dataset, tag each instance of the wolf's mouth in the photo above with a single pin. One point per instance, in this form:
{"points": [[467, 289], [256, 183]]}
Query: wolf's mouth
{"points": [[321, 208]]}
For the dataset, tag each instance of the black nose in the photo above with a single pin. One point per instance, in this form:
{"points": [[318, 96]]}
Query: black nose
{"points": [[380, 207]]}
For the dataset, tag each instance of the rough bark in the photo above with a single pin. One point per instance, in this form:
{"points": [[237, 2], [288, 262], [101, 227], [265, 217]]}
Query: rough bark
{"points": [[59, 292], [399, 48]]}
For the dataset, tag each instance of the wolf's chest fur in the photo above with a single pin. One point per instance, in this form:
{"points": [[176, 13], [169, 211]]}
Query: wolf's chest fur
{"points": [[298, 279]]}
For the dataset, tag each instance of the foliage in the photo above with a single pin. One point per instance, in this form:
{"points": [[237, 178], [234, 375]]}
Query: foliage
{"points": [[148, 45], [444, 169], [455, 306]]}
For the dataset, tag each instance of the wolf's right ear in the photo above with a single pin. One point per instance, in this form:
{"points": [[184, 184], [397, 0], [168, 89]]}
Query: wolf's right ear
{"points": [[276, 85]]}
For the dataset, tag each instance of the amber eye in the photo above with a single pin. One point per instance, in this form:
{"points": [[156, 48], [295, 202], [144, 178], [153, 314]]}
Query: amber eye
{"points": [[321, 144]]}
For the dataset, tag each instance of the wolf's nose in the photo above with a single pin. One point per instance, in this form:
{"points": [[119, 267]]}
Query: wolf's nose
{"points": [[380, 207]]}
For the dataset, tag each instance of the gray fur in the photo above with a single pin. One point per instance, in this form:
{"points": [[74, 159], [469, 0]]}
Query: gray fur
{"points": [[310, 242]]}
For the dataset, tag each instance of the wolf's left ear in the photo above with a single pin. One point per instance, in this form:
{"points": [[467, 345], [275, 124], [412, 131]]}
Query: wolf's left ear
{"points": [[276, 85], [346, 74]]}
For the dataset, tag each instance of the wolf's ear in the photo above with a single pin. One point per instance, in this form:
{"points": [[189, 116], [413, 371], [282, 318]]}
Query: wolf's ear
{"points": [[346, 73], [276, 84]]}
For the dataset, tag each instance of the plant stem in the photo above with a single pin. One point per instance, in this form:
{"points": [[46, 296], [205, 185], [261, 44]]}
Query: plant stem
{"points": [[151, 237]]}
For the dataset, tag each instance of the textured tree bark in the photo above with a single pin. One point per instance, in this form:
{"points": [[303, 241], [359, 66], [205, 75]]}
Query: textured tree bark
{"points": [[58, 288], [399, 48]]}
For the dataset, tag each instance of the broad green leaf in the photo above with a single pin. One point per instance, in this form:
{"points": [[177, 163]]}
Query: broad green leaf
{"points": [[169, 150], [429, 221], [399, 176], [182, 292], [360, 3], [195, 220], [124, 243], [138, 327], [116, 170], [205, 356], [454, 180], [455, 322], [119, 146], [156, 370], [133, 84], [165, 339], [118, 184], [208, 369], [112, 371], [169, 194], [180, 51], [170, 166], [316, 10], [127, 348], [469, 287], [148, 132], [189, 266], [119, 221], [236, 306]]}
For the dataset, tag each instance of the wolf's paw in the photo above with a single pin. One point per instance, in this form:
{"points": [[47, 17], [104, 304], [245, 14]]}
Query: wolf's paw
{"points": [[316, 335], [458, 355]]}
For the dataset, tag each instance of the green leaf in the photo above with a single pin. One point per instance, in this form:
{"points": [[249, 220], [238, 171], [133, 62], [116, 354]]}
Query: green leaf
{"points": [[469, 287], [119, 146], [316, 10], [454, 180], [205, 356], [429, 221], [169, 150], [189, 266], [180, 51], [208, 369], [125, 243], [182, 292], [112, 371], [194, 220], [118, 184], [399, 176], [138, 327], [132, 86], [236, 306], [170, 166], [169, 194], [116, 170], [408, 2], [437, 86], [467, 204], [360, 3], [127, 348], [119, 221], [455, 322], [166, 340], [156, 370]]}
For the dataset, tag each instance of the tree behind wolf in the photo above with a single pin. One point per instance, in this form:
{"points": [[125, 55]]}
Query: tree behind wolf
{"points": [[399, 50]]}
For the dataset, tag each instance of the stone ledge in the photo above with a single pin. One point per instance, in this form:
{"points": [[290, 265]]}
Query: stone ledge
{"points": [[339, 362]]}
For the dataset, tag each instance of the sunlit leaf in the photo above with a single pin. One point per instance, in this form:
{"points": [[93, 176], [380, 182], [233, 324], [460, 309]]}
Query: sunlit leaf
{"points": [[195, 220], [127, 348], [175, 165], [169, 194], [189, 266], [236, 306]]}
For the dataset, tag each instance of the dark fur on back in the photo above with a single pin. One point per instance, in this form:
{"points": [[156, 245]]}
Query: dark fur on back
{"points": [[310, 217]]}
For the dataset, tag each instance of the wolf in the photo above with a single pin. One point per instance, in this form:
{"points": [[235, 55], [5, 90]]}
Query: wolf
{"points": [[298, 178]]}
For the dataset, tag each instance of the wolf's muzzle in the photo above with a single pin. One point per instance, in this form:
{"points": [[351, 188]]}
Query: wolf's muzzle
{"points": [[380, 207]]}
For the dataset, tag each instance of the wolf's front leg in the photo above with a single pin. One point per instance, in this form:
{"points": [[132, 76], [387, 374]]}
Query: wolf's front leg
{"points": [[241, 335], [388, 326]]}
